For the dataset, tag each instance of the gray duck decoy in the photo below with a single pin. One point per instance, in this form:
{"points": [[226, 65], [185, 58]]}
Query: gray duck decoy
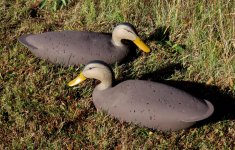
{"points": [[81, 47], [150, 104]]}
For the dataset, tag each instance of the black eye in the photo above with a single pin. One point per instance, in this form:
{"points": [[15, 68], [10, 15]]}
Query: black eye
{"points": [[90, 68]]}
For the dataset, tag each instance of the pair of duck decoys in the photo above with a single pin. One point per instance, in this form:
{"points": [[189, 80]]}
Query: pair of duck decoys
{"points": [[150, 104]]}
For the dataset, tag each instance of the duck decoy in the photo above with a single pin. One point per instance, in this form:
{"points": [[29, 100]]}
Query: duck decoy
{"points": [[81, 47], [146, 103]]}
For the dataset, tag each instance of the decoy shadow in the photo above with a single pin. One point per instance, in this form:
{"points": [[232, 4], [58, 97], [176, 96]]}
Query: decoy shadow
{"points": [[160, 34]]}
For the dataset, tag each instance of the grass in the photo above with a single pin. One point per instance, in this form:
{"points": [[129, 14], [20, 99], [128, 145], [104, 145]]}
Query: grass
{"points": [[193, 48]]}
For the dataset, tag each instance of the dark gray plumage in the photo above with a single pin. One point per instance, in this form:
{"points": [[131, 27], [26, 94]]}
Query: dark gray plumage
{"points": [[76, 47], [150, 104]]}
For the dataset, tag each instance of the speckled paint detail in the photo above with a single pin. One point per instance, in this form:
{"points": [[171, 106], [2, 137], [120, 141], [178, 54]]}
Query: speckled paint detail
{"points": [[152, 105], [74, 47]]}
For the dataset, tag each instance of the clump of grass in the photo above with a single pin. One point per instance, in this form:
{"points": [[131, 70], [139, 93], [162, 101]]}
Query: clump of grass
{"points": [[52, 4], [38, 110]]}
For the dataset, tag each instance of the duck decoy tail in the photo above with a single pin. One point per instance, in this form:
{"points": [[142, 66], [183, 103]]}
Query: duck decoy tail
{"points": [[207, 114], [22, 39]]}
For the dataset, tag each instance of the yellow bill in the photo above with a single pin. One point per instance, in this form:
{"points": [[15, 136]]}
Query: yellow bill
{"points": [[138, 42], [77, 80]]}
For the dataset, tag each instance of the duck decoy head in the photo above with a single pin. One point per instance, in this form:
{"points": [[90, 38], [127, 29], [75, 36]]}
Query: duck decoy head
{"points": [[95, 70], [128, 32]]}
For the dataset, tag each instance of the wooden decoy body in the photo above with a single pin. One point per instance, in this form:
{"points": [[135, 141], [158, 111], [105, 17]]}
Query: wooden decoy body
{"points": [[150, 104], [77, 47]]}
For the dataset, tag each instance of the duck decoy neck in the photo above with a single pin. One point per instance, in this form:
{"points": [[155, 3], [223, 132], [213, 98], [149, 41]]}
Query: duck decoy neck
{"points": [[106, 80], [105, 84], [116, 40]]}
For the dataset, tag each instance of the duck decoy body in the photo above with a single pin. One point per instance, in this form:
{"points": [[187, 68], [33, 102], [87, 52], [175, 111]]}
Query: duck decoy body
{"points": [[150, 104], [80, 47]]}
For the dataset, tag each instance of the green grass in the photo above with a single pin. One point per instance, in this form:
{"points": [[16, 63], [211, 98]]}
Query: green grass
{"points": [[38, 110]]}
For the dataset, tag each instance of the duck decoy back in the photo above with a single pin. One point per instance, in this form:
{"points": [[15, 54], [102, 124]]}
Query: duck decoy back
{"points": [[81, 47], [149, 104]]}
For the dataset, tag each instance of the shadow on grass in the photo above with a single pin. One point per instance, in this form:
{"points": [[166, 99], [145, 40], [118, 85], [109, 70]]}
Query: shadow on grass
{"points": [[224, 103], [161, 34]]}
